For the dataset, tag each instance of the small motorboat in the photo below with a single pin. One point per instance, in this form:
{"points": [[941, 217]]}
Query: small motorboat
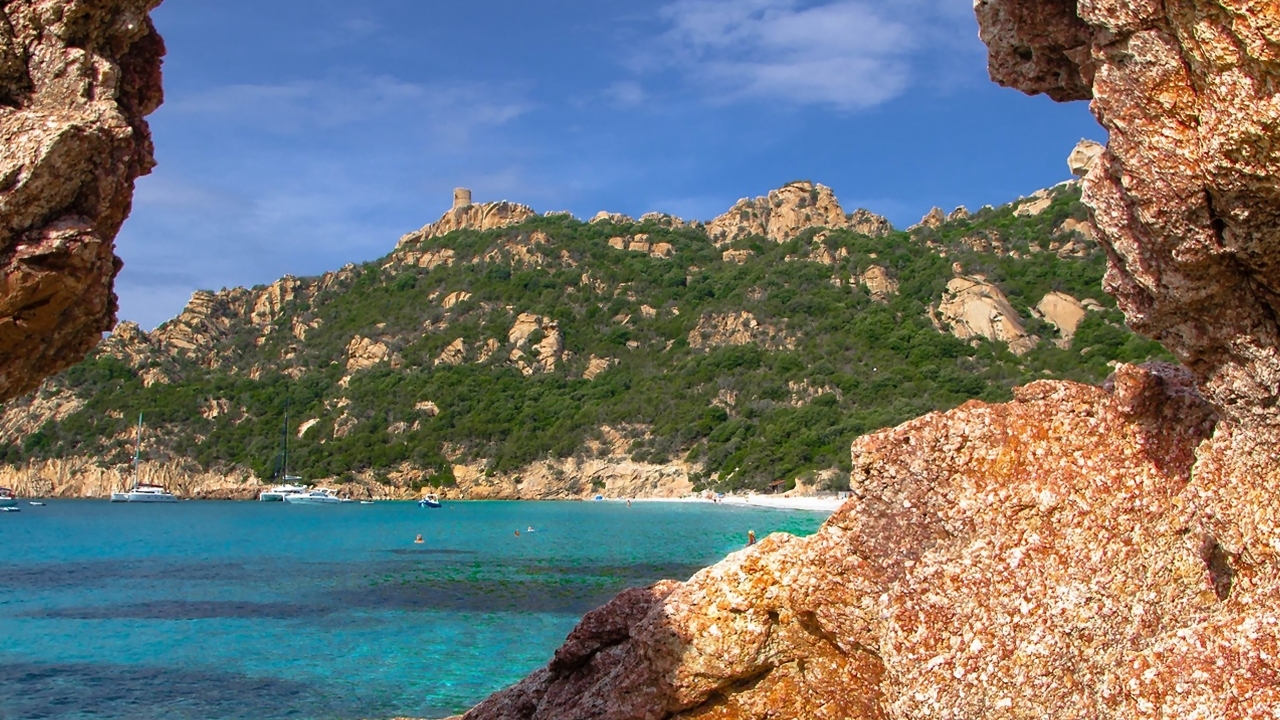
{"points": [[429, 501], [366, 502], [319, 496], [33, 503], [10, 508], [6, 498]]}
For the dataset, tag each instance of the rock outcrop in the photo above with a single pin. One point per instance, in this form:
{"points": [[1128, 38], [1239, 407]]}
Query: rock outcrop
{"points": [[539, 344], [932, 219], [466, 216], [1083, 157], [738, 328], [974, 308], [77, 80], [364, 353], [1064, 313], [880, 285], [788, 211]]}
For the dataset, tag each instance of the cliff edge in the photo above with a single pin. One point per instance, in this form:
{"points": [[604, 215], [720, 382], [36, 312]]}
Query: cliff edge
{"points": [[77, 79]]}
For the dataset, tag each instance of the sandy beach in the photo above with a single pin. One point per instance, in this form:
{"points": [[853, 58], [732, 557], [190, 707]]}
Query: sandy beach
{"points": [[777, 502]]}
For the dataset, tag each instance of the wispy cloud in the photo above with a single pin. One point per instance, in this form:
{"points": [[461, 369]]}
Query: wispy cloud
{"points": [[849, 54], [625, 94], [308, 106]]}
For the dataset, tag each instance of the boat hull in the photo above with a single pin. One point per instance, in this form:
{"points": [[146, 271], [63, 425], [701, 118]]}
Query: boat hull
{"points": [[8, 502], [133, 497], [305, 500]]}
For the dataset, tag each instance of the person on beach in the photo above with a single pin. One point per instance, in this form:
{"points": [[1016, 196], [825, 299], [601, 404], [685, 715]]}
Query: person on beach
{"points": [[751, 538], [418, 540]]}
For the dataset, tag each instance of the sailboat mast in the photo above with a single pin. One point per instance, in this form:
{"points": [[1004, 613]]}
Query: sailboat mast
{"points": [[137, 452], [286, 441]]}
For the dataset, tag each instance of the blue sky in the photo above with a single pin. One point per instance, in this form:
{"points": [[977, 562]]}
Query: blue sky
{"points": [[300, 135]]}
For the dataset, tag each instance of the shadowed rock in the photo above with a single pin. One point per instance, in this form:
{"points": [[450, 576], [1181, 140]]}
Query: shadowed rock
{"points": [[77, 79]]}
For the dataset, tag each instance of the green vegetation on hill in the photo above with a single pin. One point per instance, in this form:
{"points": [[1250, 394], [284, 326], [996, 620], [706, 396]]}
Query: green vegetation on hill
{"points": [[843, 363]]}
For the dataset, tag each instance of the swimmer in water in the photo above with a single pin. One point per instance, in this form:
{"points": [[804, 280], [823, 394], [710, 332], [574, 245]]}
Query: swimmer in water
{"points": [[530, 529], [628, 502], [418, 540], [517, 533]]}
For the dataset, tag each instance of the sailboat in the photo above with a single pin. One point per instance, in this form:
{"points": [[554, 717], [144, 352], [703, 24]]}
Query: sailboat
{"points": [[142, 492], [280, 493]]}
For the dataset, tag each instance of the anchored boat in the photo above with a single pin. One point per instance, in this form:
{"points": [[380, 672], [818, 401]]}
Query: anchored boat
{"points": [[142, 492], [292, 483], [319, 496]]}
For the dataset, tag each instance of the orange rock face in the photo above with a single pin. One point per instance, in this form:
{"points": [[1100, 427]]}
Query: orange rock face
{"points": [[77, 79], [996, 561], [1187, 195]]}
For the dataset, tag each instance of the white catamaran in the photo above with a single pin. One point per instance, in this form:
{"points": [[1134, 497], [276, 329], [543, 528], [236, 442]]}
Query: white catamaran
{"points": [[142, 492], [291, 486]]}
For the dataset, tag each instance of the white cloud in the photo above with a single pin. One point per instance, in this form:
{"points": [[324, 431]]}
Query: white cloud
{"points": [[850, 54]]}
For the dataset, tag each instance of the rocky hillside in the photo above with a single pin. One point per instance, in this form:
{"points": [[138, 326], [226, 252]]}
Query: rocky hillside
{"points": [[503, 353]]}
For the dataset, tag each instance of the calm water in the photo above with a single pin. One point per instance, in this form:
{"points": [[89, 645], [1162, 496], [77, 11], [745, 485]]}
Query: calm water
{"points": [[262, 610]]}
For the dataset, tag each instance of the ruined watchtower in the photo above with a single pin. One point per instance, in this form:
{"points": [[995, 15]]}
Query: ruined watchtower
{"points": [[461, 198]]}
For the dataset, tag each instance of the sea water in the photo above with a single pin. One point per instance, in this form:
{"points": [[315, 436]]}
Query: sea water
{"points": [[202, 610]]}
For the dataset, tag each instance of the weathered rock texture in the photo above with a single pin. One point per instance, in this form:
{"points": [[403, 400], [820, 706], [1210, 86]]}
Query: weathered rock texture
{"points": [[790, 210], [77, 79], [1079, 552], [996, 561], [1187, 195]]}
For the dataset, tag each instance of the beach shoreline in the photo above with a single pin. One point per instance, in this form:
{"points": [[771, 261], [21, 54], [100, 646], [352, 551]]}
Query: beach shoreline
{"points": [[819, 504]]}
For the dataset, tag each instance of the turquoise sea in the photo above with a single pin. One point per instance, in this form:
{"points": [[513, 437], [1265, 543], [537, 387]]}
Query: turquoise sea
{"points": [[205, 610]]}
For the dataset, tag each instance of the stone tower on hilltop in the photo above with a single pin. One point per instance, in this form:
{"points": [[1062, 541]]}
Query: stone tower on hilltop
{"points": [[461, 198]]}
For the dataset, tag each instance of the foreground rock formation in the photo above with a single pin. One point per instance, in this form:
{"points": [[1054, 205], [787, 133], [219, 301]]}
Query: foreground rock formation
{"points": [[1080, 552], [980, 545], [77, 79], [1186, 195]]}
